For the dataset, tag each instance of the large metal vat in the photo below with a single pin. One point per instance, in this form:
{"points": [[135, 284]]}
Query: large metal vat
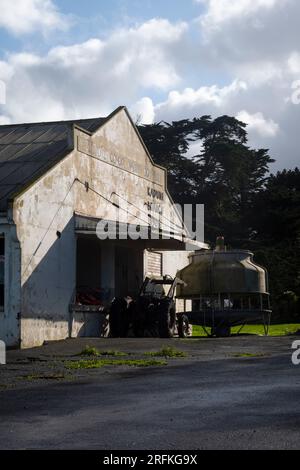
{"points": [[227, 288], [222, 272]]}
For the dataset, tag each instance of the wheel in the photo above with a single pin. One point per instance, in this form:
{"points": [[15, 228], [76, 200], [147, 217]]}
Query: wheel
{"points": [[136, 320], [183, 326], [118, 319], [138, 330], [221, 331], [167, 322]]}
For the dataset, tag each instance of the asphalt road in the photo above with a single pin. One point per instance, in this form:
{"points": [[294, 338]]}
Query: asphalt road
{"points": [[194, 403]]}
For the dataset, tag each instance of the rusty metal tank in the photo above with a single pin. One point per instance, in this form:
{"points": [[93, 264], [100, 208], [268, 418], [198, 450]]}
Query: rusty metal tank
{"points": [[222, 272], [226, 287]]}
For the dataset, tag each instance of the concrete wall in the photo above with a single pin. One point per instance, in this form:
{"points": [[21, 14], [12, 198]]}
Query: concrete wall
{"points": [[174, 261], [113, 160]]}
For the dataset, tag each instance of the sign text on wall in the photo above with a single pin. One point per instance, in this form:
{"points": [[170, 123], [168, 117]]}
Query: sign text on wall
{"points": [[153, 174]]}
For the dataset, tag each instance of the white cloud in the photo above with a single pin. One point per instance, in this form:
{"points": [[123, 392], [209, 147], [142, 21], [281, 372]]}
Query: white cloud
{"points": [[239, 32], [294, 63], [26, 16], [165, 71], [257, 123], [261, 72], [143, 111], [255, 42], [77, 55], [91, 78], [4, 120], [6, 71], [192, 100], [2, 92], [222, 11]]}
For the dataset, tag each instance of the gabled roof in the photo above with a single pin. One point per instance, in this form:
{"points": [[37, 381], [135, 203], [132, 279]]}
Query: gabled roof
{"points": [[27, 151]]}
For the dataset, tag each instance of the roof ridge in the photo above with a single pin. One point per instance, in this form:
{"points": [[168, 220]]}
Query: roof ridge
{"points": [[66, 121]]}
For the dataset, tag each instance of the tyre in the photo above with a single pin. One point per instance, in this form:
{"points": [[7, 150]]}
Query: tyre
{"points": [[136, 320], [138, 330], [118, 319], [221, 331], [167, 322], [183, 327]]}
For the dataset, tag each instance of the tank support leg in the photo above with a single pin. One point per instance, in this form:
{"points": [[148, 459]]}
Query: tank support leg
{"points": [[206, 331], [243, 326], [267, 324]]}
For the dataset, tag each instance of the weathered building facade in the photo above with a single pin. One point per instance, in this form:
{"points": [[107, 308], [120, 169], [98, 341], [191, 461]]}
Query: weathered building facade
{"points": [[57, 182]]}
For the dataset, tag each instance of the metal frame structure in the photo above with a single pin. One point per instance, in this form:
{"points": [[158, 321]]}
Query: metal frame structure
{"points": [[212, 314]]}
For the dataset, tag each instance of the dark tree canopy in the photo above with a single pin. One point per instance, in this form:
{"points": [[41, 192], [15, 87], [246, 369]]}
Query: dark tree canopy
{"points": [[224, 175], [243, 202]]}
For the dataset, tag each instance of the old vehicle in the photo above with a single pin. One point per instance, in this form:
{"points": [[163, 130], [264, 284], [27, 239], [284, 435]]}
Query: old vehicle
{"points": [[152, 313]]}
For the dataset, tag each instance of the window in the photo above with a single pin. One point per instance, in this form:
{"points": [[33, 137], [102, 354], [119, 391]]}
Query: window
{"points": [[2, 264]]}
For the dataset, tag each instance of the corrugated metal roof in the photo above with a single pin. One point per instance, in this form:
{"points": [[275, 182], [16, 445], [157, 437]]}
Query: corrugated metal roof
{"points": [[27, 151]]}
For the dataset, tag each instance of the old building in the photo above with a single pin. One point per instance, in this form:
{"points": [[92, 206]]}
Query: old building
{"points": [[58, 180]]}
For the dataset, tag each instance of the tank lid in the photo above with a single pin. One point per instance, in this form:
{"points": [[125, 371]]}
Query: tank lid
{"points": [[206, 253]]}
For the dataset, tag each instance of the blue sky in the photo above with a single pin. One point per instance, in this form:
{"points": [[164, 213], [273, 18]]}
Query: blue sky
{"points": [[118, 12], [99, 17], [164, 59]]}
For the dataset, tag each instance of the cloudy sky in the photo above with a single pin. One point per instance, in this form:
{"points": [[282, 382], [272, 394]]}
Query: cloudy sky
{"points": [[164, 59]]}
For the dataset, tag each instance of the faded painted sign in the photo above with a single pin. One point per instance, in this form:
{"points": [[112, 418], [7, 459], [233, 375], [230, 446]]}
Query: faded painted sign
{"points": [[149, 172]]}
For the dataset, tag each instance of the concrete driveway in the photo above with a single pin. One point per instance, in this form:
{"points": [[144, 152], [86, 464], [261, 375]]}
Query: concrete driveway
{"points": [[236, 393]]}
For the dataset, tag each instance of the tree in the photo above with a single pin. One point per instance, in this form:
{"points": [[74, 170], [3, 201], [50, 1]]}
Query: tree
{"points": [[243, 202], [276, 214], [224, 175], [275, 220], [232, 174], [168, 145]]}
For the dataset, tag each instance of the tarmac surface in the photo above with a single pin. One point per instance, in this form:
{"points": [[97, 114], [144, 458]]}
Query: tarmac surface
{"points": [[234, 393]]}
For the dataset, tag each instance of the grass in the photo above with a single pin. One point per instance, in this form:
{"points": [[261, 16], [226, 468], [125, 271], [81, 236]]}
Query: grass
{"points": [[275, 330], [98, 363], [249, 355], [93, 352], [45, 377], [4, 387], [167, 352]]}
